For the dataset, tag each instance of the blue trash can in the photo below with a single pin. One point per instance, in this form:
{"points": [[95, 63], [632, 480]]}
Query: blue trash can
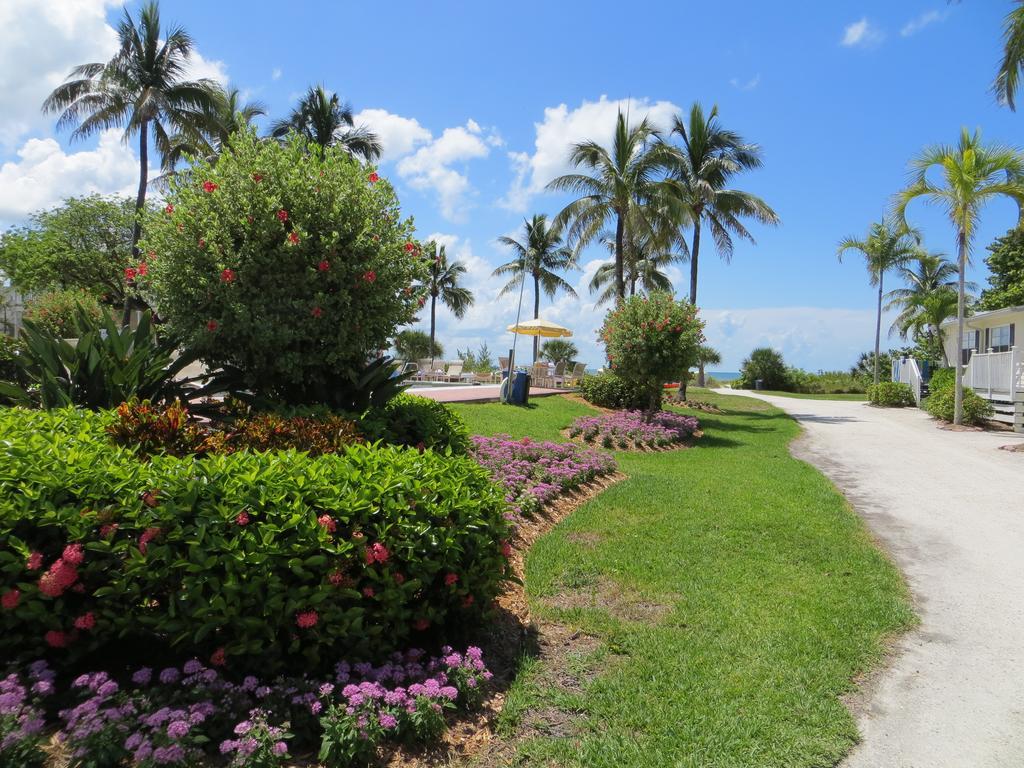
{"points": [[519, 388]]}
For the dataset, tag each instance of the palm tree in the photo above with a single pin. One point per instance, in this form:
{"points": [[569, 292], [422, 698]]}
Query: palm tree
{"points": [[622, 181], [559, 351], [142, 88], [708, 159], [325, 120], [1010, 68], [706, 355], [973, 173], [443, 284], [888, 246], [541, 256]]}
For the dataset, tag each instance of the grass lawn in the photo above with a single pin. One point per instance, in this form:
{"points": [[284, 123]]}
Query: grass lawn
{"points": [[807, 396], [731, 595]]}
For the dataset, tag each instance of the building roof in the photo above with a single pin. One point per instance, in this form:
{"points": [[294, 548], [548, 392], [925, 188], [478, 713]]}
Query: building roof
{"points": [[992, 314]]}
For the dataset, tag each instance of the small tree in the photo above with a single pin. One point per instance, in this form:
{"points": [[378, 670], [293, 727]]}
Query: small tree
{"points": [[767, 365], [288, 261], [415, 345], [650, 339], [1006, 272], [559, 351]]}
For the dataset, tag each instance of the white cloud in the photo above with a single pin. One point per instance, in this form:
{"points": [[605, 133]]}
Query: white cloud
{"points": [[429, 168], [861, 33], [560, 129], [198, 68], [40, 44], [927, 18], [399, 135], [276, 73], [44, 174], [746, 85]]}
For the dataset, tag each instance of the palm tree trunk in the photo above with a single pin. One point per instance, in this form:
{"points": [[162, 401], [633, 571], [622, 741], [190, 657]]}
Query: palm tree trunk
{"points": [[700, 374], [878, 324], [140, 203], [620, 279], [433, 323], [958, 390], [536, 313], [937, 334], [694, 253]]}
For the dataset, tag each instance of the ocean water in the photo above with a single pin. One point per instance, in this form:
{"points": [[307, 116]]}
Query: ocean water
{"points": [[724, 375]]}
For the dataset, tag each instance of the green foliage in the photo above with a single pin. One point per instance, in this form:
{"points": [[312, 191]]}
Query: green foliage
{"points": [[828, 382], [767, 365], [10, 349], [1006, 272], [649, 340], [942, 379], [289, 262], [315, 435], [559, 351], [417, 422], [150, 429], [412, 345], [864, 368], [224, 552], [108, 365], [84, 244], [609, 390], [940, 404], [477, 362], [891, 394], [57, 311]]}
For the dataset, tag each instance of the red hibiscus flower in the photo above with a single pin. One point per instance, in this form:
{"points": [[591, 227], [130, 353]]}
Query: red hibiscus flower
{"points": [[324, 265], [168, 209], [369, 276], [227, 276], [409, 247], [257, 177], [282, 215], [130, 273], [211, 325], [293, 238], [316, 312], [209, 186], [373, 177]]}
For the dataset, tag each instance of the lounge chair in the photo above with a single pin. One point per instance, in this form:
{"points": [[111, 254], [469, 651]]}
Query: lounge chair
{"points": [[427, 370], [576, 375], [454, 372], [558, 378], [541, 375]]}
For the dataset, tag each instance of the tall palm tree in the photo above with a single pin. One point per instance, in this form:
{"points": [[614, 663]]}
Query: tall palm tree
{"points": [[648, 252], [142, 89], [973, 173], [541, 255], [621, 180], [706, 355], [703, 167], [324, 119], [443, 285], [1012, 64], [888, 246]]}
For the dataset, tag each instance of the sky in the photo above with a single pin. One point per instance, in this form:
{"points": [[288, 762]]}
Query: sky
{"points": [[478, 104]]}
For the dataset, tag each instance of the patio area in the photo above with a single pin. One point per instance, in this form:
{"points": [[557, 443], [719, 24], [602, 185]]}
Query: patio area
{"points": [[484, 393]]}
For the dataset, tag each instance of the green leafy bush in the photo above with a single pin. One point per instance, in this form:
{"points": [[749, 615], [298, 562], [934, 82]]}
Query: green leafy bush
{"points": [[649, 340], [942, 379], [151, 429], [609, 390], [891, 394], [58, 312], [316, 435], [767, 365], [254, 558], [10, 349], [108, 365], [940, 404], [827, 382], [416, 421], [287, 261]]}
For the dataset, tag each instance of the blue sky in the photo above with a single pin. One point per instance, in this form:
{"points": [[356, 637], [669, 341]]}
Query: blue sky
{"points": [[479, 102]]}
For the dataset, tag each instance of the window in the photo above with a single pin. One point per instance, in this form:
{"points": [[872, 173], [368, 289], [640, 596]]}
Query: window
{"points": [[968, 344], [999, 338]]}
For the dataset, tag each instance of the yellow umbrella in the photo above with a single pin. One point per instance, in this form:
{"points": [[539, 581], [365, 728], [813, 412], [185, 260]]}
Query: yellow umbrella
{"points": [[540, 327]]}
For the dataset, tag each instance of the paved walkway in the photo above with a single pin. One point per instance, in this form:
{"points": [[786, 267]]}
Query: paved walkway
{"points": [[949, 506], [483, 393]]}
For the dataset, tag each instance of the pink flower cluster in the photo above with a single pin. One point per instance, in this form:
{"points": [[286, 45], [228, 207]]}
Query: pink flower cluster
{"points": [[377, 553], [629, 429], [63, 573]]}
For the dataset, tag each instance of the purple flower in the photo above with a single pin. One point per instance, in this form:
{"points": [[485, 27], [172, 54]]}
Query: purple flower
{"points": [[243, 728], [142, 676], [170, 675], [387, 721], [280, 749], [178, 729]]}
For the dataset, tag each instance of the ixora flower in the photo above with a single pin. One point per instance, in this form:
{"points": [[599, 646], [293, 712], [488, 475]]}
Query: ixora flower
{"points": [[257, 177], [168, 209], [316, 312], [34, 561], [209, 186], [369, 276], [373, 178], [211, 325], [282, 215], [324, 265], [326, 521], [293, 238], [218, 658], [409, 247], [227, 275], [130, 273], [306, 619], [10, 599], [377, 553], [57, 639], [451, 579], [86, 621], [242, 518]]}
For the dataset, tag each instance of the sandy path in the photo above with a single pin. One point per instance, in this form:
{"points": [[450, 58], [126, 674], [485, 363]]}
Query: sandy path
{"points": [[950, 508]]}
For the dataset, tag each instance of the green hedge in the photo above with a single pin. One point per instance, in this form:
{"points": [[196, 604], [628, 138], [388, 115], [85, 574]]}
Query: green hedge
{"points": [[943, 378], [189, 556], [609, 390], [417, 422], [941, 405], [891, 394]]}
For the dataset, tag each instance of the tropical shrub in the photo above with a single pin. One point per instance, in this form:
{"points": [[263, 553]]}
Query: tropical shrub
{"points": [[57, 312], [417, 422], [634, 429], [315, 435], [649, 340], [940, 404], [767, 365], [891, 394], [609, 390], [285, 260], [253, 558], [412, 345], [152, 429], [828, 382], [534, 473], [10, 349], [559, 351], [942, 379], [108, 365]]}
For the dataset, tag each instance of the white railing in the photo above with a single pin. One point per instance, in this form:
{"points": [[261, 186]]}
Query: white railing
{"points": [[905, 371], [996, 375]]}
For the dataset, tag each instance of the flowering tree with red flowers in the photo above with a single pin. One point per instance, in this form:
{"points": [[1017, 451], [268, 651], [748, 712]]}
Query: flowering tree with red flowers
{"points": [[287, 261], [650, 340]]}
